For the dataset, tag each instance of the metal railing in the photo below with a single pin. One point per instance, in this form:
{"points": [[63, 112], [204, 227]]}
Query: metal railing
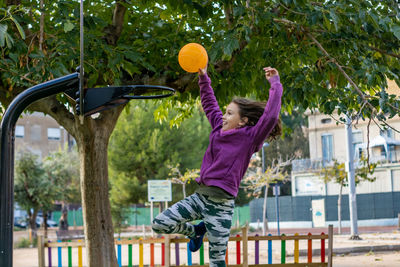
{"points": [[312, 165]]}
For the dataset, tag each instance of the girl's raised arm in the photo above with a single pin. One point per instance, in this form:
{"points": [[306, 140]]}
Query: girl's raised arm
{"points": [[208, 100], [270, 116]]}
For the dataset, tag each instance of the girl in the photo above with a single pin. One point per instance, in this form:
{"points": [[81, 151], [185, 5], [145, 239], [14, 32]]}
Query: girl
{"points": [[235, 136]]}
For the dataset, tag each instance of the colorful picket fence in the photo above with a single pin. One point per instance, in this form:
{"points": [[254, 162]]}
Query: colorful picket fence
{"points": [[241, 243]]}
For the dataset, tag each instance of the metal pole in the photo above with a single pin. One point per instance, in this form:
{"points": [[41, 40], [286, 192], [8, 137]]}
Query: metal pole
{"points": [[136, 216], [276, 187], [351, 179], [265, 226], [151, 215], [7, 138], [81, 70]]}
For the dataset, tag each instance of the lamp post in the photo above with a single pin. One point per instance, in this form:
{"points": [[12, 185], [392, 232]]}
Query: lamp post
{"points": [[351, 178], [265, 222], [277, 192]]}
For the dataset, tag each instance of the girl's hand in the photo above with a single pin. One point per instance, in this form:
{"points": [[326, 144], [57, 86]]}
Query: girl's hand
{"points": [[203, 71], [270, 72]]}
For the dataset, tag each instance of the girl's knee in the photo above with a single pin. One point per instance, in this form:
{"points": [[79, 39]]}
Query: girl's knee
{"points": [[160, 226], [157, 226]]}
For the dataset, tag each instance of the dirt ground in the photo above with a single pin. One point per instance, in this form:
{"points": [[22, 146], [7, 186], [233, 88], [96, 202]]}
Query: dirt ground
{"points": [[27, 257]]}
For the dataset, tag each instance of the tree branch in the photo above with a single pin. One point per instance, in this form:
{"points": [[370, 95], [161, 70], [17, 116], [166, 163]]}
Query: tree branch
{"points": [[223, 64], [384, 52], [113, 31], [295, 12], [354, 85], [341, 69], [228, 15], [41, 25]]}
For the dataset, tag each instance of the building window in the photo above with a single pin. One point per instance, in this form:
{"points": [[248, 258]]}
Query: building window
{"points": [[357, 139], [19, 131], [53, 133], [386, 133], [392, 153], [327, 147], [36, 133], [326, 120]]}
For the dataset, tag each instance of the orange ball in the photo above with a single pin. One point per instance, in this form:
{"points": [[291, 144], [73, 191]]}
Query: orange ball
{"points": [[192, 57]]}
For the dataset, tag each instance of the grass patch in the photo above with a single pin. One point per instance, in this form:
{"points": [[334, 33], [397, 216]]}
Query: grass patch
{"points": [[25, 243]]}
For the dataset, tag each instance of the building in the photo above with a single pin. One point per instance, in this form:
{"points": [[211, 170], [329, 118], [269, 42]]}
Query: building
{"points": [[327, 141], [40, 134], [378, 201]]}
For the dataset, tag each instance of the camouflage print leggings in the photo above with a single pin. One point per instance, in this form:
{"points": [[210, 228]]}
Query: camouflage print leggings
{"points": [[217, 216]]}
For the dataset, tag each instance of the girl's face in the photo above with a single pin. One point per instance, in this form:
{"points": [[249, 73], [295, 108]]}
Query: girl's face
{"points": [[231, 118]]}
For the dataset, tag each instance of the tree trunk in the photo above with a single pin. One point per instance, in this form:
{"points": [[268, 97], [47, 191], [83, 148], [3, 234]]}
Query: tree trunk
{"points": [[32, 222], [99, 231], [339, 203], [63, 222], [184, 190], [13, 2], [265, 220], [45, 223], [41, 31]]}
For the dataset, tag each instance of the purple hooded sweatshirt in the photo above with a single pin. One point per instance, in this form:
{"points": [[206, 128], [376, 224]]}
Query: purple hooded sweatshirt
{"points": [[228, 154]]}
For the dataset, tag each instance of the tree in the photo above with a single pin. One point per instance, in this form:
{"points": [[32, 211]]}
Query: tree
{"points": [[183, 179], [294, 140], [256, 180], [337, 174], [120, 214], [33, 190], [63, 168], [311, 43]]}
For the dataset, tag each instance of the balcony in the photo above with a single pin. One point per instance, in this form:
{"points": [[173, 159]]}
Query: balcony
{"points": [[313, 165], [310, 165]]}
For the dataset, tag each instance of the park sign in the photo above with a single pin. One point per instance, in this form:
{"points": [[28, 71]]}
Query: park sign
{"points": [[159, 190]]}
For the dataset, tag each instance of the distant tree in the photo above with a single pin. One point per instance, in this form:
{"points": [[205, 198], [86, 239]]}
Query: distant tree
{"points": [[256, 180], [62, 167], [120, 215], [337, 174], [34, 190], [183, 179], [293, 142]]}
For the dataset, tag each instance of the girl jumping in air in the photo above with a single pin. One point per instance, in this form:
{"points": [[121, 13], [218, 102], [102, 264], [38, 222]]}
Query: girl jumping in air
{"points": [[235, 136]]}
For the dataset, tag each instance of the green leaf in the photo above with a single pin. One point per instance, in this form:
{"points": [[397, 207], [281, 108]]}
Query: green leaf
{"points": [[130, 68], [335, 18], [396, 31], [14, 57], [3, 31], [327, 23], [9, 40], [164, 15], [68, 26], [230, 45], [133, 56], [148, 66], [374, 20], [34, 55], [20, 30]]}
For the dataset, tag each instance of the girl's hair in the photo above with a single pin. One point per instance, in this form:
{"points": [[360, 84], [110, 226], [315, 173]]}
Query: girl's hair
{"points": [[253, 111]]}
